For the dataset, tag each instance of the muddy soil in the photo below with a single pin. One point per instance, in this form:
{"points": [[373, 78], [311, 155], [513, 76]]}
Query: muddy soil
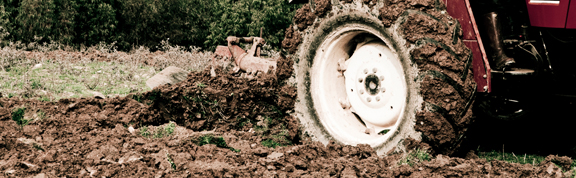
{"points": [[101, 137]]}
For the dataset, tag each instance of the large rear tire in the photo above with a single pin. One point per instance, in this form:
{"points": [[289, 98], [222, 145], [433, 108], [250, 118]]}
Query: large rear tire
{"points": [[374, 73]]}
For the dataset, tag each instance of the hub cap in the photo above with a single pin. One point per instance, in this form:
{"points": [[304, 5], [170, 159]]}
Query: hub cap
{"points": [[374, 86], [357, 86]]}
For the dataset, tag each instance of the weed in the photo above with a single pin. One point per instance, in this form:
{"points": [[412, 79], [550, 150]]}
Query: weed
{"points": [[35, 84], [279, 139], [218, 141], [270, 143], [144, 131], [415, 157], [44, 98], [169, 129], [201, 85], [38, 147], [511, 157], [159, 132], [383, 132], [165, 131], [41, 114], [18, 116], [170, 161], [137, 97]]}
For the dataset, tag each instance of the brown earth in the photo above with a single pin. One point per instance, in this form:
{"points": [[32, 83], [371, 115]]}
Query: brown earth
{"points": [[92, 137]]}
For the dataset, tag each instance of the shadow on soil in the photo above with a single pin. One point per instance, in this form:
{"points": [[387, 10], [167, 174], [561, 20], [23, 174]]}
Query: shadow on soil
{"points": [[545, 131]]}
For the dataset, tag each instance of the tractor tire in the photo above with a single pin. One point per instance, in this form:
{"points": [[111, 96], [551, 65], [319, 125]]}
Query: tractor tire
{"points": [[383, 73]]}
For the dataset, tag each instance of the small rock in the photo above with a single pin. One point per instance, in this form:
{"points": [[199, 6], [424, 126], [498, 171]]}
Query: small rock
{"points": [[98, 95], [553, 169], [41, 175], [275, 155], [92, 171], [27, 165], [131, 129], [10, 171], [37, 66], [349, 172], [212, 72], [42, 92], [261, 152], [170, 75], [300, 164]]}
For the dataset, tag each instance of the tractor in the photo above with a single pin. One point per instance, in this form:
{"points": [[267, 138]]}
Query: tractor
{"points": [[391, 73]]}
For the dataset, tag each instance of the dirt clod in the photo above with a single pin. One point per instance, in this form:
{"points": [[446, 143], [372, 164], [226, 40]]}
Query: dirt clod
{"points": [[304, 17], [322, 7]]}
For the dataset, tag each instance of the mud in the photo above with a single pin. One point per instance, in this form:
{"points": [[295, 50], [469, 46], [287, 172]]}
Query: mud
{"points": [[370, 3], [304, 17], [92, 138], [292, 40], [322, 7]]}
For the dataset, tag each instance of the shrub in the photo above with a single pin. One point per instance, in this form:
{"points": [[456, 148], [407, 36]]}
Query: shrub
{"points": [[246, 17], [95, 22], [132, 23]]}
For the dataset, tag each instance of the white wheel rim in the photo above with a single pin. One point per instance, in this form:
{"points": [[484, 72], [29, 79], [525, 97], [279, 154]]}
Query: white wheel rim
{"points": [[339, 95]]}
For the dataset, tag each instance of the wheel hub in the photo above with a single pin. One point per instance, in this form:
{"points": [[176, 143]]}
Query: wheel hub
{"points": [[374, 86]]}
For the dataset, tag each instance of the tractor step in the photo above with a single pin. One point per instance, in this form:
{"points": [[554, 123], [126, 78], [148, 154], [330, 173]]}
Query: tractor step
{"points": [[515, 71]]}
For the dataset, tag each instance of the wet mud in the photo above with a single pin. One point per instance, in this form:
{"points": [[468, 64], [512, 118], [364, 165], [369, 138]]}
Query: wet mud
{"points": [[102, 137]]}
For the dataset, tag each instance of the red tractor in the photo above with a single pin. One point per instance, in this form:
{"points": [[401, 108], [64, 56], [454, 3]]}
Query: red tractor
{"points": [[389, 72]]}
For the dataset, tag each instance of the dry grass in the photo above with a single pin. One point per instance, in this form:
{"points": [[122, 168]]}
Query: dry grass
{"points": [[52, 71]]}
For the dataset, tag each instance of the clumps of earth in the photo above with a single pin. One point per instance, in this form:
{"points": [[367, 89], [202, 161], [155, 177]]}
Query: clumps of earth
{"points": [[213, 126]]}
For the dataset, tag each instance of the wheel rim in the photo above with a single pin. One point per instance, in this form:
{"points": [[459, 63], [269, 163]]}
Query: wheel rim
{"points": [[358, 86]]}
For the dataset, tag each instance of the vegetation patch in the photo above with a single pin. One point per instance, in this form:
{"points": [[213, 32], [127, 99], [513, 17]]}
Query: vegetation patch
{"points": [[415, 157], [49, 74], [169, 159], [511, 157], [211, 139], [158, 132], [18, 116]]}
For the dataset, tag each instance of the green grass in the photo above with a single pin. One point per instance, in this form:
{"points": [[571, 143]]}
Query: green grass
{"points": [[56, 80], [144, 131], [169, 159], [218, 141], [158, 132], [415, 157], [511, 157], [73, 74], [165, 131], [270, 143]]}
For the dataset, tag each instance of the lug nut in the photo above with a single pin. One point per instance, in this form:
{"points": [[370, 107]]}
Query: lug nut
{"points": [[374, 70], [383, 89], [369, 99], [361, 92], [360, 80], [382, 78], [365, 71], [377, 98]]}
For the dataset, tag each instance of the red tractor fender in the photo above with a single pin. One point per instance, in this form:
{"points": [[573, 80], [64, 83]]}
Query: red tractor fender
{"points": [[461, 10]]}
